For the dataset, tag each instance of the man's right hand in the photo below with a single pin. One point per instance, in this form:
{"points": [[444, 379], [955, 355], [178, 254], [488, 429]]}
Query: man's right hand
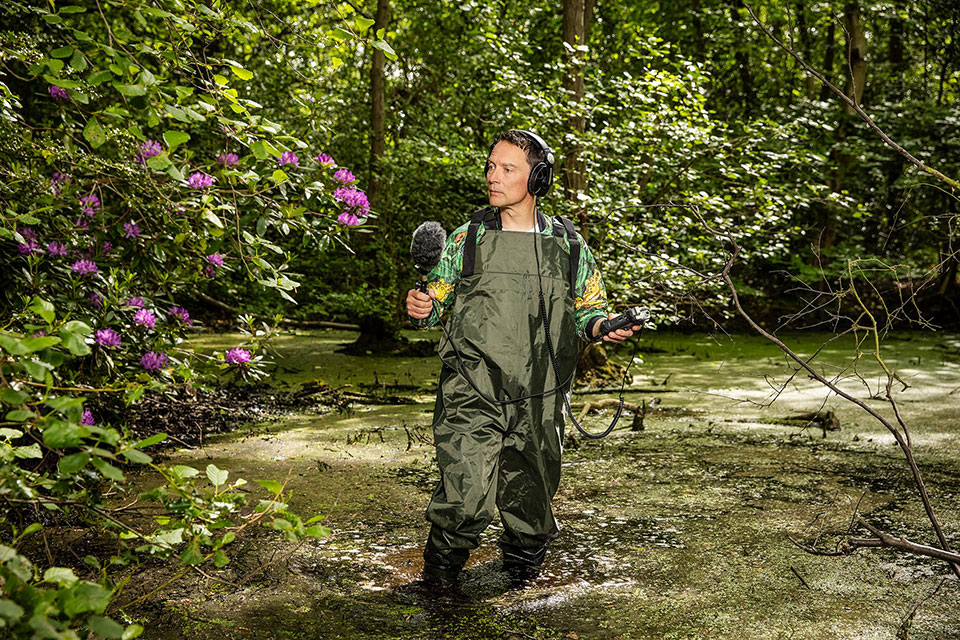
{"points": [[419, 304]]}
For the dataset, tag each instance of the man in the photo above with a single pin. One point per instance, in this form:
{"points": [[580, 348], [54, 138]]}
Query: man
{"points": [[498, 420]]}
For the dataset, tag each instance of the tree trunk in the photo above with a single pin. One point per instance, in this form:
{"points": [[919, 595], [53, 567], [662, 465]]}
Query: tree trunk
{"points": [[378, 109], [805, 47], [828, 56], [857, 55], [577, 15]]}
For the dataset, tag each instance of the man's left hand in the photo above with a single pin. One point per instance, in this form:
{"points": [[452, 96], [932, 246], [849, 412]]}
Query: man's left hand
{"points": [[619, 335]]}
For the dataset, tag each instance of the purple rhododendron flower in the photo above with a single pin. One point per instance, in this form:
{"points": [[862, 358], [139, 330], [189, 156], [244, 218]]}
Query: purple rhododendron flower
{"points": [[135, 301], [145, 318], [107, 246], [215, 259], [57, 181], [28, 232], [228, 159], [131, 229], [57, 92], [153, 361], [38, 334], [57, 249], [148, 150], [210, 271], [96, 300], [108, 338], [87, 418], [354, 199], [82, 224], [323, 159], [28, 248], [289, 157], [90, 204], [344, 176], [84, 267], [199, 180], [237, 356], [181, 314], [348, 219]]}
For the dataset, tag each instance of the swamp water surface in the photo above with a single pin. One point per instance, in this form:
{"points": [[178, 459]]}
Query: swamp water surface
{"points": [[676, 531]]}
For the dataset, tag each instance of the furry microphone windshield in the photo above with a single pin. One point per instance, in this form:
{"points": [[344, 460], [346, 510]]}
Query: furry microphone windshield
{"points": [[427, 246]]}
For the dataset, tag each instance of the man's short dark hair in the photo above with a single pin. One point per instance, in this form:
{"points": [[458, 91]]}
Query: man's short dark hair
{"points": [[515, 137]]}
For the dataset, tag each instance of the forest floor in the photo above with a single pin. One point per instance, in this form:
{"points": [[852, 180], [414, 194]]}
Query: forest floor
{"points": [[680, 530]]}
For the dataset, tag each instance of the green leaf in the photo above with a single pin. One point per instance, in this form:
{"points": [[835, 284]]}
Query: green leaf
{"points": [[13, 346], [86, 596], [228, 537], [74, 343], [107, 469], [73, 463], [271, 485], [317, 531], [137, 456], [220, 559], [78, 62], [132, 631], [363, 23], [94, 133], [99, 77], [33, 451], [259, 150], [176, 112], [10, 434], [72, 9], [159, 162], [10, 611], [20, 415], [217, 477], [182, 471], [44, 309], [212, 218], [175, 138], [386, 48], [191, 555], [131, 90], [78, 326], [61, 434], [60, 575], [105, 627], [39, 371], [40, 342], [13, 397], [27, 219], [341, 34], [279, 176], [152, 440], [62, 52], [241, 73]]}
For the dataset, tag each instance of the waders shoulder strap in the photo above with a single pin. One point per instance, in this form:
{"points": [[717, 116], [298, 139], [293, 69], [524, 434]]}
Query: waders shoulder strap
{"points": [[574, 254], [470, 242]]}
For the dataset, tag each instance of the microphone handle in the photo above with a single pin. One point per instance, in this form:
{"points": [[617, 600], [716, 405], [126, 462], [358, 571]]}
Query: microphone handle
{"points": [[421, 286]]}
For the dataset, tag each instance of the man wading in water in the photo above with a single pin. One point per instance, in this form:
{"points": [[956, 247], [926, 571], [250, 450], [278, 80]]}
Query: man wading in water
{"points": [[506, 453]]}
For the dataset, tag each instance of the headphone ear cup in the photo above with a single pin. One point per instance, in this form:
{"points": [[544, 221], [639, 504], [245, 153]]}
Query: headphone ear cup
{"points": [[540, 178]]}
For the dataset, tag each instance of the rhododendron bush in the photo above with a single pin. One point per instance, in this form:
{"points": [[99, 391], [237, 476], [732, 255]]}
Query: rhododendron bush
{"points": [[133, 170]]}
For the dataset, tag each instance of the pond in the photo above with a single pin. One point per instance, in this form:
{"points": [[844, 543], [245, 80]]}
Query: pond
{"points": [[679, 530]]}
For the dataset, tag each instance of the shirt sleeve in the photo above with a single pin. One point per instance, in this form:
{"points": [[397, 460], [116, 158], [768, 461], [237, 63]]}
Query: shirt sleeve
{"points": [[591, 296], [444, 277]]}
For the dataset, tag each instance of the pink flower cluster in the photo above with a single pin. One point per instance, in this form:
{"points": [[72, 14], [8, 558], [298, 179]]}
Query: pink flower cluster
{"points": [[344, 176], [182, 315], [237, 356], [153, 360], [148, 150], [84, 267], [289, 157], [145, 318], [199, 180], [131, 230], [325, 160], [58, 92], [108, 338], [228, 159]]}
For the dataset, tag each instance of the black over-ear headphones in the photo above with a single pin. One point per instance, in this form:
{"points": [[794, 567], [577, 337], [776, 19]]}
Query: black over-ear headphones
{"points": [[541, 174]]}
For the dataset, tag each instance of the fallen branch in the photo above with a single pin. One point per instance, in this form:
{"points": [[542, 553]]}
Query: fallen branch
{"points": [[902, 544]]}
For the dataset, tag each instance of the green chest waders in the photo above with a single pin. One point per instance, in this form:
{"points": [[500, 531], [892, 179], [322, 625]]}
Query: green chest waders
{"points": [[503, 455]]}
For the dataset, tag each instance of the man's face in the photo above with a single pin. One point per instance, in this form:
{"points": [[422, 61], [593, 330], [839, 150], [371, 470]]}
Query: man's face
{"points": [[507, 173]]}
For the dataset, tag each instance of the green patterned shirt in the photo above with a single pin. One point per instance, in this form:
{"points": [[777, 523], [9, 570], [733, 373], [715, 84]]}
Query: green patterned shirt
{"points": [[591, 297]]}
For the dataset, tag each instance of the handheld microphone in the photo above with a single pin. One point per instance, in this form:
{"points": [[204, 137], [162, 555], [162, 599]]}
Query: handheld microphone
{"points": [[426, 247]]}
